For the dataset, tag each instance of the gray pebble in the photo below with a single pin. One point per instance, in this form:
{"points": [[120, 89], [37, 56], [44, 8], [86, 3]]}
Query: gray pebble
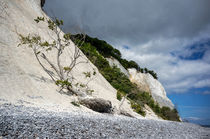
{"points": [[29, 122]]}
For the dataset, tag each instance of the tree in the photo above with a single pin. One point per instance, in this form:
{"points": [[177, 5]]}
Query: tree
{"points": [[141, 70], [60, 75], [151, 72], [145, 70], [133, 64]]}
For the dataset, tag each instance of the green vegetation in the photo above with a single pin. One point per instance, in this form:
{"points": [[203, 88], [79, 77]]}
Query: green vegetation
{"points": [[75, 104], [167, 113], [119, 95], [137, 108], [164, 112], [106, 50], [119, 80], [113, 75]]}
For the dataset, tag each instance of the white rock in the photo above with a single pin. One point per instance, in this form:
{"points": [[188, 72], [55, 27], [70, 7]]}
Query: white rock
{"points": [[145, 82], [113, 61], [150, 114], [156, 89]]}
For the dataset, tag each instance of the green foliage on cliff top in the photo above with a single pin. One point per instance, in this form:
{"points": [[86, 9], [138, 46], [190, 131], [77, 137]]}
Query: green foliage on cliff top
{"points": [[106, 50]]}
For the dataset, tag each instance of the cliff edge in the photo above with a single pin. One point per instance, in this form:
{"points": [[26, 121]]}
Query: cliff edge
{"points": [[145, 82]]}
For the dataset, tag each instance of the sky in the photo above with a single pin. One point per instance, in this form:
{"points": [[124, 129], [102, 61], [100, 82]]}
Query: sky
{"points": [[170, 37]]}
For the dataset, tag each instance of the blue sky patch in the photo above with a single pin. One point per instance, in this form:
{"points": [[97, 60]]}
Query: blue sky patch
{"points": [[126, 47], [194, 105], [193, 56], [195, 51]]}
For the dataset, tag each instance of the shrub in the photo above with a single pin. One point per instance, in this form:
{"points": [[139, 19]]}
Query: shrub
{"points": [[75, 104], [169, 114], [119, 95], [137, 108]]}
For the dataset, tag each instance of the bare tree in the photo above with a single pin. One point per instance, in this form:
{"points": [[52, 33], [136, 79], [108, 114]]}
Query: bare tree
{"points": [[123, 99], [60, 75]]}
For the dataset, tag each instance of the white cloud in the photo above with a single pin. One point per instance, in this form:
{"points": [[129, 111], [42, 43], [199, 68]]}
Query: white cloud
{"points": [[206, 56], [193, 118], [177, 75], [206, 92], [202, 83]]}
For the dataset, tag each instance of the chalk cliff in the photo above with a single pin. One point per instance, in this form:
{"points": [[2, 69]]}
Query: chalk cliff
{"points": [[145, 82], [115, 62], [22, 80]]}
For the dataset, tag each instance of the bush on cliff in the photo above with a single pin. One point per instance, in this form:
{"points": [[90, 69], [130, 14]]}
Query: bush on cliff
{"points": [[106, 50]]}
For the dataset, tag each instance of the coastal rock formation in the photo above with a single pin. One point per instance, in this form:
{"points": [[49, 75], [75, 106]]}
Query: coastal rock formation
{"points": [[147, 83], [140, 80], [114, 62]]}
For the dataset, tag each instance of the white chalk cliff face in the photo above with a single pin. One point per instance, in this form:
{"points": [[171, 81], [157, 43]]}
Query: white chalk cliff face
{"points": [[115, 62], [22, 80], [145, 82]]}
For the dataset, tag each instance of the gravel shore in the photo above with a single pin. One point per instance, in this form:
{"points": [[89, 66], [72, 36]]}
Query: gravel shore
{"points": [[29, 122]]}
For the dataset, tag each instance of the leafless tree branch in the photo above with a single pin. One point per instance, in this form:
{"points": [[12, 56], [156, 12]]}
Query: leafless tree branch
{"points": [[62, 75]]}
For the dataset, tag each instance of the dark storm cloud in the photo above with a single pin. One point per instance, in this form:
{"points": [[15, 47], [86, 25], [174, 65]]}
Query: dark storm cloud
{"points": [[148, 32], [133, 21]]}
